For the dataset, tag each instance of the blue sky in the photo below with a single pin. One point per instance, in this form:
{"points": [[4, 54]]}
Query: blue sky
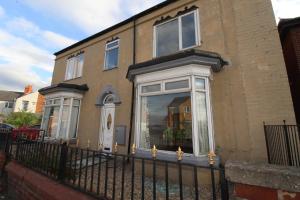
{"points": [[32, 30]]}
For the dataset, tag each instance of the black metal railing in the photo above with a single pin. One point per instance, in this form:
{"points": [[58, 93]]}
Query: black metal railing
{"points": [[115, 176], [283, 144]]}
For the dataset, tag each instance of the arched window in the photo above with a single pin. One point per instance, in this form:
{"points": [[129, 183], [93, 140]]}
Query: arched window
{"points": [[109, 99]]}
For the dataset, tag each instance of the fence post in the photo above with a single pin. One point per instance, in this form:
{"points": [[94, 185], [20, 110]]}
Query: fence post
{"points": [[224, 184], [287, 143], [267, 143], [62, 162]]}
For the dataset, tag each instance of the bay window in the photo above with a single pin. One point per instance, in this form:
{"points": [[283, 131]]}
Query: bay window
{"points": [[60, 119], [173, 113], [176, 34]]}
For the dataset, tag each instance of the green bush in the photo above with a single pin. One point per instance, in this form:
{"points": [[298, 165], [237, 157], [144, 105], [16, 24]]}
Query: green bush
{"points": [[21, 119]]}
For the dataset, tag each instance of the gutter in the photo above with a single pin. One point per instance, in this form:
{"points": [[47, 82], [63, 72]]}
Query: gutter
{"points": [[133, 89]]}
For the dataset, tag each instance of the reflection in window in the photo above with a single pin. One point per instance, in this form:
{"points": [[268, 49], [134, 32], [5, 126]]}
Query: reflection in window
{"points": [[111, 55], [167, 38], [175, 35], [165, 123], [56, 109], [188, 30]]}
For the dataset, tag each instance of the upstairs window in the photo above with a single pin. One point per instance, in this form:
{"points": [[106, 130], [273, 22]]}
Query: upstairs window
{"points": [[25, 105], [74, 67], [111, 55], [177, 34], [9, 104]]}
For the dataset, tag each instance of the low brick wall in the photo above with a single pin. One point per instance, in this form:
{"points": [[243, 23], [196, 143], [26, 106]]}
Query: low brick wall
{"points": [[25, 184], [263, 181]]}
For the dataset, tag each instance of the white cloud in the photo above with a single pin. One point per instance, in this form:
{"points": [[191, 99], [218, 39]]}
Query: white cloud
{"points": [[89, 15], [286, 8], [33, 32], [2, 12], [18, 60]]}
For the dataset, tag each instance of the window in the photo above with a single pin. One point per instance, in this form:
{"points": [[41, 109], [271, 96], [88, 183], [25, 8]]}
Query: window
{"points": [[25, 105], [74, 67], [177, 34], [9, 104], [60, 119], [177, 114], [111, 55]]}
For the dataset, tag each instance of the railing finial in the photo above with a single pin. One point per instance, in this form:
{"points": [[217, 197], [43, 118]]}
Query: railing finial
{"points": [[154, 151], [133, 148], [211, 157], [116, 148]]}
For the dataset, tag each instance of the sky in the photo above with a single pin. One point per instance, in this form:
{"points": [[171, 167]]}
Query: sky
{"points": [[32, 30]]}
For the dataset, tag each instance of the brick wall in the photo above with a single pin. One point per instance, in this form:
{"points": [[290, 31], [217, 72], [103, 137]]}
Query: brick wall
{"points": [[40, 104], [252, 181], [25, 184]]}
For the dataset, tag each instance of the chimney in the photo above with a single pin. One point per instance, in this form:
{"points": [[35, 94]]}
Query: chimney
{"points": [[28, 89]]}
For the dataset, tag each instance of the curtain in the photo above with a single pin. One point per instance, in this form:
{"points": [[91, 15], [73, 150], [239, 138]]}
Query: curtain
{"points": [[144, 136], [202, 122]]}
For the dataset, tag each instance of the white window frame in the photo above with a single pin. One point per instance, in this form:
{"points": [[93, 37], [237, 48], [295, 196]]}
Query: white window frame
{"points": [[105, 67], [76, 72], [51, 99], [169, 77], [197, 31]]}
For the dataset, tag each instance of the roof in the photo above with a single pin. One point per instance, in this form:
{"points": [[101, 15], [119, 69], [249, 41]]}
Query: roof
{"points": [[64, 87], [178, 101], [131, 19], [181, 58], [285, 25], [9, 95]]}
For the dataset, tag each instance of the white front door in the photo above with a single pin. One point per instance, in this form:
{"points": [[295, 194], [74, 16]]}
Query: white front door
{"points": [[107, 126]]}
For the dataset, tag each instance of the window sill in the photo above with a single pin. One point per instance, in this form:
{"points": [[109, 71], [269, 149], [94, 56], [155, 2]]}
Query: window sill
{"points": [[110, 69], [171, 156], [73, 79]]}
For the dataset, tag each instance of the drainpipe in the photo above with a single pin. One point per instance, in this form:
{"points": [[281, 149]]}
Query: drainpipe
{"points": [[133, 89]]}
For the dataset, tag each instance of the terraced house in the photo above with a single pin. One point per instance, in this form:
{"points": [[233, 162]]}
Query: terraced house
{"points": [[198, 74]]}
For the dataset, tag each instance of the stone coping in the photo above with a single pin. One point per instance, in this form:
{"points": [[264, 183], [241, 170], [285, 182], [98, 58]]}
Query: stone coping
{"points": [[265, 175]]}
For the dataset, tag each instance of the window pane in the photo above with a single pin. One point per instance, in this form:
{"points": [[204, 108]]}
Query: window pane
{"points": [[67, 101], [64, 122], [76, 102], [25, 105], [74, 121], [202, 122], [57, 101], [188, 31], [177, 85], [200, 83], [151, 88], [165, 123], [80, 59], [111, 59], [167, 39], [50, 120], [112, 44]]}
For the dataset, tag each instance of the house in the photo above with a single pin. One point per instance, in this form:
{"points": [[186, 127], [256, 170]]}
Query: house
{"points": [[289, 31], [7, 101], [222, 59], [30, 101]]}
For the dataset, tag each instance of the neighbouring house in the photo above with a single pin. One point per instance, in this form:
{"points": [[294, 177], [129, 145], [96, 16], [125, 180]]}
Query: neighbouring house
{"points": [[30, 101], [203, 75], [289, 31], [7, 102]]}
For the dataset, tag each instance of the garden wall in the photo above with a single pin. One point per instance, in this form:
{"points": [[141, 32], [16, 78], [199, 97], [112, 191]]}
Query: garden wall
{"points": [[25, 184]]}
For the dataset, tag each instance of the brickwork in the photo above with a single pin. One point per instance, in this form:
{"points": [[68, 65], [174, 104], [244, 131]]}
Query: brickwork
{"points": [[25, 184], [40, 104]]}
